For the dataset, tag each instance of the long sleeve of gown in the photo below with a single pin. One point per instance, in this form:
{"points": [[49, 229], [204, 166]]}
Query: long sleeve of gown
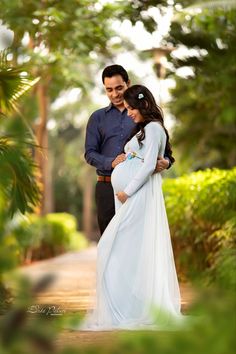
{"points": [[154, 137]]}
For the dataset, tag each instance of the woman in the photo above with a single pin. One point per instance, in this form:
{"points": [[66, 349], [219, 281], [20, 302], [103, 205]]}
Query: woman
{"points": [[137, 285]]}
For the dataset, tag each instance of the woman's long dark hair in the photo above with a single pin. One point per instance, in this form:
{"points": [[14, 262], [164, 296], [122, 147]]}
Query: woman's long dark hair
{"points": [[139, 97]]}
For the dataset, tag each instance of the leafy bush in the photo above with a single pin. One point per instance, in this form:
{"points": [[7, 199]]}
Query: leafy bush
{"points": [[201, 212], [40, 237]]}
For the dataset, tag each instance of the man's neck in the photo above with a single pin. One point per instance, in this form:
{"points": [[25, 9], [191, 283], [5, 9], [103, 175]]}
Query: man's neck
{"points": [[121, 108]]}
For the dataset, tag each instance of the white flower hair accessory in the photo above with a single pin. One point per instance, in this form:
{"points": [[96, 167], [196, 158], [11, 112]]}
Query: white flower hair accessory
{"points": [[140, 96]]}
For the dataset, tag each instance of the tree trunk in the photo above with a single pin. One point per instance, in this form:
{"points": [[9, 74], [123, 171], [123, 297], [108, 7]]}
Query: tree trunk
{"points": [[42, 156]]}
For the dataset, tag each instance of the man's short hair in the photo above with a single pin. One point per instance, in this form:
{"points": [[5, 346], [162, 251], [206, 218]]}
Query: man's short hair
{"points": [[113, 70]]}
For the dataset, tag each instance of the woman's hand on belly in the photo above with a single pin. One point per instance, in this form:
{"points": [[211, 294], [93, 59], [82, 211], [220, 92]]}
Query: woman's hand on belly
{"points": [[122, 196]]}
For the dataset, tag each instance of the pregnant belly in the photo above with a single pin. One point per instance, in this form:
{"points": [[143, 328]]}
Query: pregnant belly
{"points": [[123, 173]]}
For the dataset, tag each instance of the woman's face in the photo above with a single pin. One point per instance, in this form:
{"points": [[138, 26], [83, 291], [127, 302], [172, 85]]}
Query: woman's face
{"points": [[133, 113]]}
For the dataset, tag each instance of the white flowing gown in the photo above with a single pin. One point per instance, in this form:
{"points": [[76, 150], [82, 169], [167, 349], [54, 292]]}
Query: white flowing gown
{"points": [[137, 285]]}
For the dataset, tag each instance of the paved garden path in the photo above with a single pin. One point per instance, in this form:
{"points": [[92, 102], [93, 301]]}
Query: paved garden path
{"points": [[70, 292]]}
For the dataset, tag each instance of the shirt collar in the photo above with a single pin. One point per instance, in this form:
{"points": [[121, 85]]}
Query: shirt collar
{"points": [[108, 108]]}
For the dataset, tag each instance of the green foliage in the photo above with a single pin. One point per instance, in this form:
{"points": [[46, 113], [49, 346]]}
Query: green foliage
{"points": [[203, 103], [201, 210], [62, 36], [24, 239], [18, 171], [138, 11], [22, 333], [18, 188], [66, 37], [17, 178], [47, 236], [14, 82], [210, 330]]}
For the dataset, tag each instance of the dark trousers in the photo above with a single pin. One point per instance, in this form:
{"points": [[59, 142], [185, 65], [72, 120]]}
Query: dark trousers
{"points": [[104, 197]]}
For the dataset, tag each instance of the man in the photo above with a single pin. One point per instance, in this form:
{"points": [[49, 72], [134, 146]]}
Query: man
{"points": [[107, 132]]}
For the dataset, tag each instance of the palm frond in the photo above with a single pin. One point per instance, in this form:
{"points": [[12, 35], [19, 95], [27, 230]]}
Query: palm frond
{"points": [[18, 172], [14, 82]]}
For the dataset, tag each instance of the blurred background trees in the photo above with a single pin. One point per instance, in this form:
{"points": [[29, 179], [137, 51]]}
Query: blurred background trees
{"points": [[50, 84], [55, 44], [66, 45], [203, 100]]}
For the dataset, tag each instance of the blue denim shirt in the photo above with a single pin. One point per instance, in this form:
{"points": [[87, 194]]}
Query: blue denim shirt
{"points": [[107, 132]]}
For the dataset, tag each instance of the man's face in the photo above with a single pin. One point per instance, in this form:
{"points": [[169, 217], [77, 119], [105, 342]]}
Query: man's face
{"points": [[115, 87]]}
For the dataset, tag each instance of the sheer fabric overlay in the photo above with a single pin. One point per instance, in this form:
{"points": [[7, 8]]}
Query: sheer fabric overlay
{"points": [[136, 283]]}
